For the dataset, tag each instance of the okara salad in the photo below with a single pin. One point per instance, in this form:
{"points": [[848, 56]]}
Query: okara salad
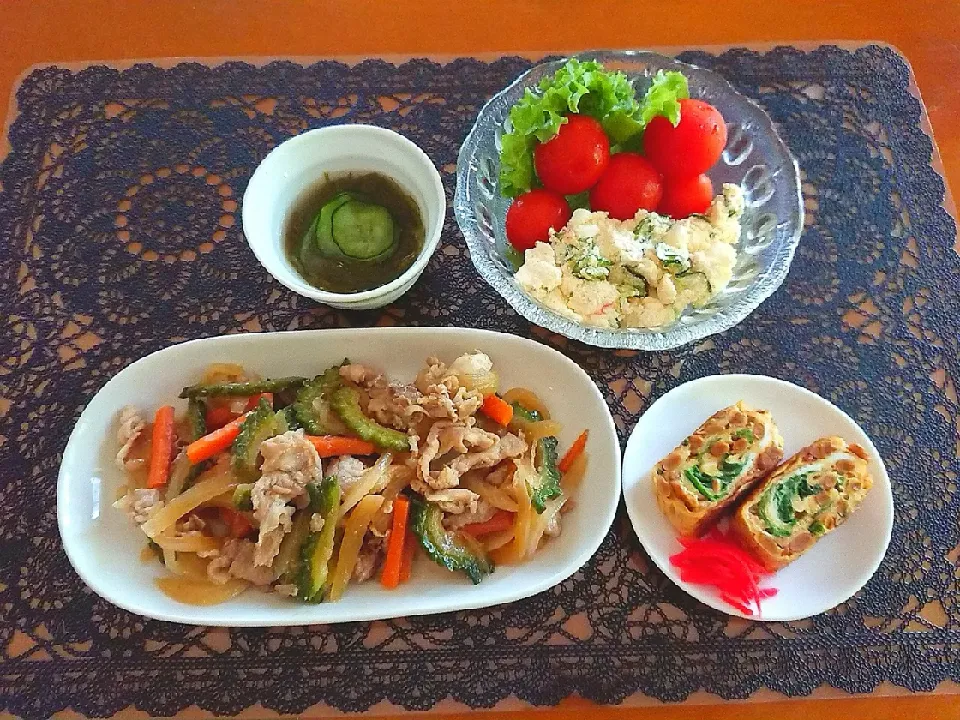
{"points": [[303, 486], [647, 238], [640, 272]]}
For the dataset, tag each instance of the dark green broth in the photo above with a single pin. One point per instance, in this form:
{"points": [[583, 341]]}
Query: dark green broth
{"points": [[344, 275]]}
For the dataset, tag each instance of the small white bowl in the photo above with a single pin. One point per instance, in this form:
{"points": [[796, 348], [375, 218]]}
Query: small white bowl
{"points": [[297, 163], [834, 569]]}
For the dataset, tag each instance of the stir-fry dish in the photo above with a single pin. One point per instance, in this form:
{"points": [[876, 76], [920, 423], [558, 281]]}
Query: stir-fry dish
{"points": [[303, 485]]}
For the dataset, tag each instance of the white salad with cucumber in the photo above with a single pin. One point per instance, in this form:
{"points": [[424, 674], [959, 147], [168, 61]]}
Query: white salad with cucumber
{"points": [[641, 272]]}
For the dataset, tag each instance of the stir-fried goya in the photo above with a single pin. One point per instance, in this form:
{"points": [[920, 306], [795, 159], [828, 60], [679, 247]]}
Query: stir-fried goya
{"points": [[304, 485]]}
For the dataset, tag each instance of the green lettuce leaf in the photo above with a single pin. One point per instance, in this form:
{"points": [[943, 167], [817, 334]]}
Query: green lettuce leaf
{"points": [[664, 95], [581, 87]]}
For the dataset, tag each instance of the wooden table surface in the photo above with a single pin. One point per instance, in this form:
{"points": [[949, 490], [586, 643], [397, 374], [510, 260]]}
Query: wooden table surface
{"points": [[926, 32]]}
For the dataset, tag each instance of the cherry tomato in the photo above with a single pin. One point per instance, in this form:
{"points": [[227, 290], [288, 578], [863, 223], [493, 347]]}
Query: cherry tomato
{"points": [[531, 216], [690, 148], [629, 183], [574, 159], [687, 196]]}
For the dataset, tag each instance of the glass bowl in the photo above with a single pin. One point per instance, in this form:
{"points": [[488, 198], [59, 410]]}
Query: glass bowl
{"points": [[755, 158]]}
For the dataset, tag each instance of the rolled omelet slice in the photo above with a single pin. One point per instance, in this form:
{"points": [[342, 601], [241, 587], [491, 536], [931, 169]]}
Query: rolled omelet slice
{"points": [[808, 496], [725, 457]]}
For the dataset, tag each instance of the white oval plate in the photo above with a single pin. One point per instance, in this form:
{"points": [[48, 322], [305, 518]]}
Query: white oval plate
{"points": [[104, 546], [833, 569]]}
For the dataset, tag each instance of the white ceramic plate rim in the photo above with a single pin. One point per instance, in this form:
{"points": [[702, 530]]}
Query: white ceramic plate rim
{"points": [[635, 483], [605, 451]]}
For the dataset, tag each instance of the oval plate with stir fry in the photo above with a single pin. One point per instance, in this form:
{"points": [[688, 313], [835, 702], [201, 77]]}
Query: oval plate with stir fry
{"points": [[264, 479]]}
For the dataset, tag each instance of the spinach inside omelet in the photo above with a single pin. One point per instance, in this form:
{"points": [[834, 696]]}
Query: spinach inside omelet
{"points": [[811, 494], [725, 457]]}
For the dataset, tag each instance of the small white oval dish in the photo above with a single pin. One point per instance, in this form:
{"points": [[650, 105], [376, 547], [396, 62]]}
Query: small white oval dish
{"points": [[104, 546], [833, 569]]}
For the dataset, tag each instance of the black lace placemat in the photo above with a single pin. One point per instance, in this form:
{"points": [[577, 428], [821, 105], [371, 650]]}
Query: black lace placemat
{"points": [[120, 227]]}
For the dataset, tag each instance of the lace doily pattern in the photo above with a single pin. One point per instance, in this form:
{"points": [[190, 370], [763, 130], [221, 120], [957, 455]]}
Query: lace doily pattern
{"points": [[120, 228]]}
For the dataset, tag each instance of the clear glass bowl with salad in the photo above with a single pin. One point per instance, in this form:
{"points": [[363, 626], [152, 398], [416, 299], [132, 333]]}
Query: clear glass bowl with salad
{"points": [[628, 200]]}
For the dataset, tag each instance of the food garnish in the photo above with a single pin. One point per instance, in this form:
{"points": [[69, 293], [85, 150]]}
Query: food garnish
{"points": [[718, 562]]}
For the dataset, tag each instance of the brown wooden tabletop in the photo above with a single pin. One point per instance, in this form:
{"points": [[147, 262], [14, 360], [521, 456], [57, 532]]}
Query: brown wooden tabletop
{"points": [[926, 32]]}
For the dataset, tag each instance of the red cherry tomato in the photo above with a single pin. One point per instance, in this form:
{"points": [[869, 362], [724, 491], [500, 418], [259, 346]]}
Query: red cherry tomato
{"points": [[575, 158], [683, 197], [690, 148], [531, 216], [629, 184]]}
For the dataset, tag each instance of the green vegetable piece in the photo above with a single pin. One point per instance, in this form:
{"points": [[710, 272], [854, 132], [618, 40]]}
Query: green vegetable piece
{"points": [[817, 528], [586, 261], [548, 476], [317, 550], [524, 415], [261, 424], [349, 226], [778, 518], [196, 418], [663, 97], [674, 260], [197, 421], [703, 481], [157, 550], [242, 497], [775, 506], [287, 562], [364, 231], [514, 257], [317, 390], [240, 389], [320, 236], [456, 551], [318, 502], [290, 418], [697, 285], [746, 433], [345, 401]]}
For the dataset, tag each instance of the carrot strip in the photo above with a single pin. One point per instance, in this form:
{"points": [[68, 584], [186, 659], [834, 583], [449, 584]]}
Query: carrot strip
{"points": [[161, 453], [502, 520], [333, 445], [395, 544], [406, 562], [497, 409], [237, 522], [574, 452], [214, 443]]}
